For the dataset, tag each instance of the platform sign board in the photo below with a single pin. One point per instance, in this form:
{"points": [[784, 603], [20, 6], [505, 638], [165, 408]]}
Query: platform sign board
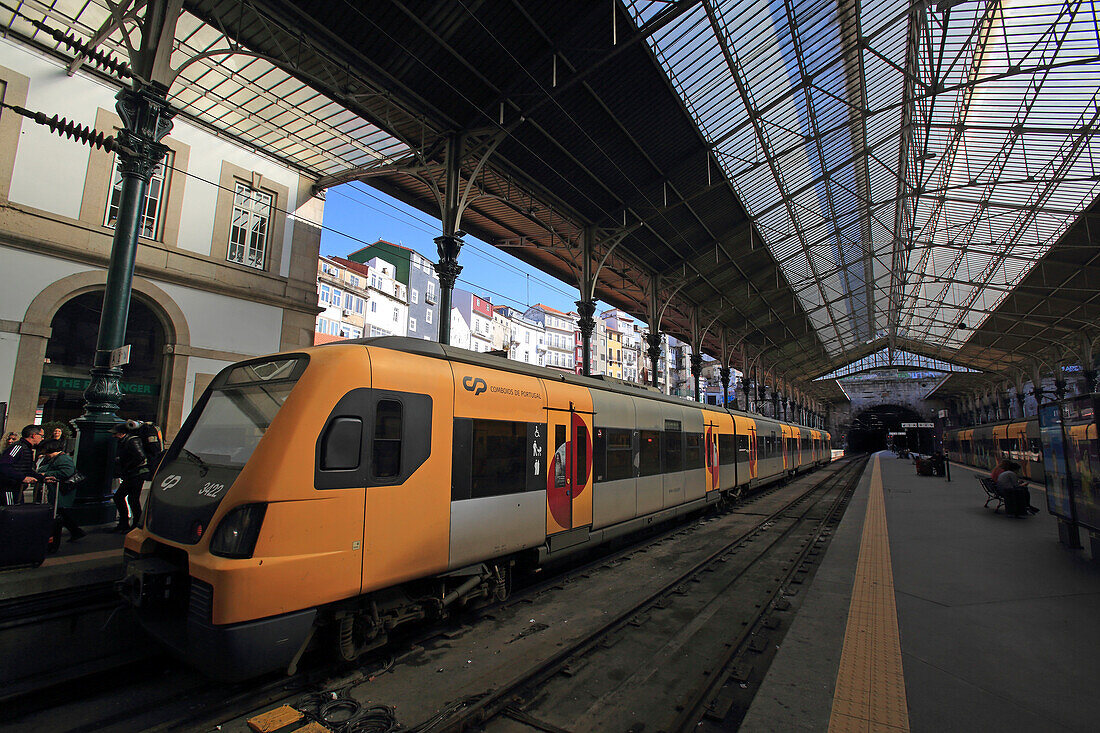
{"points": [[908, 425], [1059, 495], [120, 356], [1072, 464]]}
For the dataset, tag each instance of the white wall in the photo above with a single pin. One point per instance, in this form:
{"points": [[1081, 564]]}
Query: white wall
{"points": [[228, 324], [460, 331], [49, 171], [9, 347], [195, 366], [24, 275]]}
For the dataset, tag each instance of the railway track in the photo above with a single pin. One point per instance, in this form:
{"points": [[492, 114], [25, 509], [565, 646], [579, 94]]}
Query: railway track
{"points": [[682, 629], [89, 619]]}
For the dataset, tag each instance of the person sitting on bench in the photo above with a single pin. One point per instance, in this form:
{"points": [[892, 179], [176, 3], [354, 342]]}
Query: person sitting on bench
{"points": [[998, 469], [1016, 495]]}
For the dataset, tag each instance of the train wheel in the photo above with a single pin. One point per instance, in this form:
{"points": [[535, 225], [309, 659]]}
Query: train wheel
{"points": [[356, 634]]}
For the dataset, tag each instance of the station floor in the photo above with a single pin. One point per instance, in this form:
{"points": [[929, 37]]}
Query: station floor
{"points": [[95, 558], [933, 613]]}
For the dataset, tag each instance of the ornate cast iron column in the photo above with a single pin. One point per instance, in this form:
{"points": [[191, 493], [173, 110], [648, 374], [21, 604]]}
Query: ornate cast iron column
{"points": [[586, 306], [1090, 379], [654, 352], [146, 119], [696, 370], [587, 324], [1037, 392], [1060, 388], [724, 375], [450, 242]]}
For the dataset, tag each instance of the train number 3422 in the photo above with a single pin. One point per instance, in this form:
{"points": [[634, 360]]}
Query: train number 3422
{"points": [[211, 490]]}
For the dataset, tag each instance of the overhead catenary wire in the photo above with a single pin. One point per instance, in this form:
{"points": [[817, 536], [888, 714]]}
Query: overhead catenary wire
{"points": [[490, 256], [333, 230]]}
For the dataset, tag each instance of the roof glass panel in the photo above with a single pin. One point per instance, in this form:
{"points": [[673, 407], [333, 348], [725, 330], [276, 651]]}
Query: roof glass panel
{"points": [[230, 90], [999, 161]]}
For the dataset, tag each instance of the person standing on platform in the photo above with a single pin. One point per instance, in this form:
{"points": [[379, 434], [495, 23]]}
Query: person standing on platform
{"points": [[131, 468], [10, 440], [57, 465], [17, 466]]}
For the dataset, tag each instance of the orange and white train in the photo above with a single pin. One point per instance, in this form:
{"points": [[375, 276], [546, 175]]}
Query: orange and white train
{"points": [[329, 495]]}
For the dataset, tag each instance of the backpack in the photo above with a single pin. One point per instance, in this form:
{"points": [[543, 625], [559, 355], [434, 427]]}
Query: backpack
{"points": [[152, 443]]}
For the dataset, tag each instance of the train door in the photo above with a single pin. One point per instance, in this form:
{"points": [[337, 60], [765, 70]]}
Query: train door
{"points": [[1017, 434], [784, 447], [570, 470], [710, 445], [753, 466]]}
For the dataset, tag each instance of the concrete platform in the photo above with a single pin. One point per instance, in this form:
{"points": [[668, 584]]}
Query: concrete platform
{"points": [[999, 624], [93, 559]]}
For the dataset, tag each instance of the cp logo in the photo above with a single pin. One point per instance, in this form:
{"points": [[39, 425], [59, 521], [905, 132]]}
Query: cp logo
{"points": [[169, 482], [474, 384]]}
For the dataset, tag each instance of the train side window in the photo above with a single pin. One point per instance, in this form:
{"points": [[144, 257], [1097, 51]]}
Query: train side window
{"points": [[561, 478], [742, 448], [580, 438], [673, 450], [693, 456], [387, 439], [649, 453], [498, 460], [599, 455], [726, 454], [342, 444], [619, 463], [761, 447]]}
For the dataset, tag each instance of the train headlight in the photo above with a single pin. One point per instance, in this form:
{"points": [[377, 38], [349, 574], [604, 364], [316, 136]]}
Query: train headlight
{"points": [[236, 534]]}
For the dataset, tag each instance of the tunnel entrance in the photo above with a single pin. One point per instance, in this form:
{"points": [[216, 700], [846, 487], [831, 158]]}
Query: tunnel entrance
{"points": [[871, 428]]}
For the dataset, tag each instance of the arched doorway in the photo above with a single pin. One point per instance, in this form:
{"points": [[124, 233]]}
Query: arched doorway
{"points": [[871, 428], [72, 343]]}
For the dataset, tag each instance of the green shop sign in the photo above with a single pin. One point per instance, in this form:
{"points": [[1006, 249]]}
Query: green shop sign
{"points": [[56, 384]]}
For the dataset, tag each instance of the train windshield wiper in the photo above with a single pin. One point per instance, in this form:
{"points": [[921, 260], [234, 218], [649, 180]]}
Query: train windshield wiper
{"points": [[195, 458]]}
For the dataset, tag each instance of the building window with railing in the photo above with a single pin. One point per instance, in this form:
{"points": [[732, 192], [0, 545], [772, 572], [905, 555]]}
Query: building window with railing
{"points": [[248, 232], [151, 207]]}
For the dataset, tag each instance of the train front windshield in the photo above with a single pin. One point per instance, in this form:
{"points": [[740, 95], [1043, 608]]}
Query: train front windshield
{"points": [[215, 444], [233, 421]]}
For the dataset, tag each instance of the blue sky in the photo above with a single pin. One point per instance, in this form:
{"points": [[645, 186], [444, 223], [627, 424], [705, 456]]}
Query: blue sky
{"points": [[356, 215]]}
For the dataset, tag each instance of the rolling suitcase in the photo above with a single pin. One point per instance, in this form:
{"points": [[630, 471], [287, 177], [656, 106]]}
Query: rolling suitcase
{"points": [[54, 543], [25, 531]]}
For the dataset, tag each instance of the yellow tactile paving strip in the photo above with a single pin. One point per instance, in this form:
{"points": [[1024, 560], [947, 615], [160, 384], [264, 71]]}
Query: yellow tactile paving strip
{"points": [[870, 686]]}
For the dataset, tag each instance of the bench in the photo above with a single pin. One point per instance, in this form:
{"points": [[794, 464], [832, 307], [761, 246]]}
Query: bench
{"points": [[991, 492]]}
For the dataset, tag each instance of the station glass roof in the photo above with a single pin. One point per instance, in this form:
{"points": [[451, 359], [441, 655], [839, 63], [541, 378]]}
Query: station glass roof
{"points": [[906, 164]]}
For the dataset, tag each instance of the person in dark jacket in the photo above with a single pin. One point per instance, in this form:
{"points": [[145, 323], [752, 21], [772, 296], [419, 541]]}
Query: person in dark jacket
{"points": [[131, 468], [58, 468], [17, 466]]}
